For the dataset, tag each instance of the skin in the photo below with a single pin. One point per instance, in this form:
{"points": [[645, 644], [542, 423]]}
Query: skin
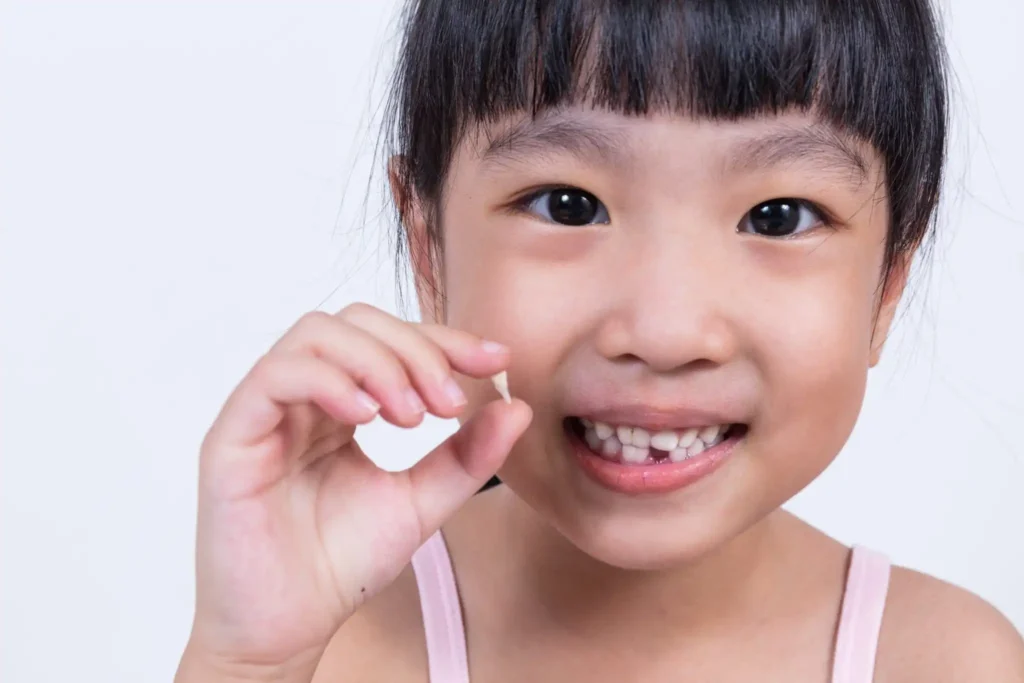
{"points": [[668, 306]]}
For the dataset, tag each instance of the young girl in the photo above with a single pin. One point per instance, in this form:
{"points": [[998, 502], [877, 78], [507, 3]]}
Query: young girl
{"points": [[685, 226]]}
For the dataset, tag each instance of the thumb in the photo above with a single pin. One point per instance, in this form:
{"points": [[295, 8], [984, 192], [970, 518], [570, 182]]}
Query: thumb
{"points": [[450, 474]]}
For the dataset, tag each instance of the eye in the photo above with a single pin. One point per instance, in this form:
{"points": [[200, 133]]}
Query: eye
{"points": [[568, 206], [781, 218]]}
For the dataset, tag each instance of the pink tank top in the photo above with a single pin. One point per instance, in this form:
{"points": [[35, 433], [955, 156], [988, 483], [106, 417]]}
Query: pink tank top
{"points": [[860, 621]]}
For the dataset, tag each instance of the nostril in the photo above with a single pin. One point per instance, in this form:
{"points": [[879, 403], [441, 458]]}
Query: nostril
{"points": [[695, 365]]}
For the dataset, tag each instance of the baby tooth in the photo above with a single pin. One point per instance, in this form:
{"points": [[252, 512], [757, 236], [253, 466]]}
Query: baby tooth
{"points": [[677, 454], [603, 431], [665, 441], [709, 434], [688, 437], [641, 437], [634, 455], [591, 438], [696, 448], [586, 422], [500, 382], [610, 447], [625, 435]]}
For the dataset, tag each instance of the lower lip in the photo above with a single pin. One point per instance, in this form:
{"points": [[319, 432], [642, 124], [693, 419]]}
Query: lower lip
{"points": [[655, 478]]}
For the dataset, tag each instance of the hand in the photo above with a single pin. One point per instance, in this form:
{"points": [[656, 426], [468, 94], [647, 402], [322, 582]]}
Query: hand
{"points": [[296, 526]]}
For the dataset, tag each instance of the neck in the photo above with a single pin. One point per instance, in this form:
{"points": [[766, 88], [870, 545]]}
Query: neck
{"points": [[737, 583]]}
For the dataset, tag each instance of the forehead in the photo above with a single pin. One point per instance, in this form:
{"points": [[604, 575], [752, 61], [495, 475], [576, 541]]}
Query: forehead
{"points": [[746, 145]]}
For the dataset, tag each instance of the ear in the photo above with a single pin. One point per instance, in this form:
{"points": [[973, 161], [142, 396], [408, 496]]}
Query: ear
{"points": [[422, 256], [888, 302]]}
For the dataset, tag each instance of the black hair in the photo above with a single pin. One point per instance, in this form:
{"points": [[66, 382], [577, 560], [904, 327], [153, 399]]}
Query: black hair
{"points": [[874, 69]]}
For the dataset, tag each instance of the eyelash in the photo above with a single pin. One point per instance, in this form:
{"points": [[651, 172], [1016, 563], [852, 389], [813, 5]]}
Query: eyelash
{"points": [[824, 217], [524, 204]]}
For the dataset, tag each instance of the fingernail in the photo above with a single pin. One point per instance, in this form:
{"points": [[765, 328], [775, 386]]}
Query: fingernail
{"points": [[414, 402], [367, 402], [454, 393], [493, 347]]}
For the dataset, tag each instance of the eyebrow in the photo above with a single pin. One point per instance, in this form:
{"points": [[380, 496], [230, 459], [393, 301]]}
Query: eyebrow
{"points": [[547, 136], [816, 146]]}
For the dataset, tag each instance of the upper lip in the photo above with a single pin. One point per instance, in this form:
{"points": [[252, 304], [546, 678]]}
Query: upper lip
{"points": [[657, 418]]}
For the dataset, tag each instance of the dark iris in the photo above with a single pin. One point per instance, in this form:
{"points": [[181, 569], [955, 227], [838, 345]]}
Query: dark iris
{"points": [[775, 218], [572, 207]]}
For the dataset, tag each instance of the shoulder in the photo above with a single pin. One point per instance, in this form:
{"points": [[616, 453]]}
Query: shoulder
{"points": [[383, 641], [936, 632]]}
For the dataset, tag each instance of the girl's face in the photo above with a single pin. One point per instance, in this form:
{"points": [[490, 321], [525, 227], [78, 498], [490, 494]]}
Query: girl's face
{"points": [[664, 273]]}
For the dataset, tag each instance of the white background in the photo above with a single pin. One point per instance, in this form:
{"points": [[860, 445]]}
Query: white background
{"points": [[174, 192]]}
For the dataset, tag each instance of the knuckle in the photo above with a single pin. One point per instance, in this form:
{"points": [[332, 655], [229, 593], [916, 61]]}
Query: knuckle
{"points": [[313, 320], [265, 368], [357, 311], [452, 337], [365, 359], [436, 359], [210, 443], [393, 372], [310, 326], [278, 366]]}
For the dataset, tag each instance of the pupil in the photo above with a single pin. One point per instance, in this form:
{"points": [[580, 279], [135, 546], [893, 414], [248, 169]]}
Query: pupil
{"points": [[776, 218], [572, 207]]}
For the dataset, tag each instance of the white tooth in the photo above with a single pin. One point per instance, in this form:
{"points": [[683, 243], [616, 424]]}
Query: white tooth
{"points": [[696, 448], [688, 437], [591, 438], [665, 441], [610, 447], [641, 437], [603, 430], [586, 422], [625, 435], [709, 434], [634, 455], [677, 454]]}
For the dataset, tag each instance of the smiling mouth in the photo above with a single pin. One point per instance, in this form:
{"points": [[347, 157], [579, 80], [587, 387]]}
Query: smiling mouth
{"points": [[637, 461], [635, 446]]}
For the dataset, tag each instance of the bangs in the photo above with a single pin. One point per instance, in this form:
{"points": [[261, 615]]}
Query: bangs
{"points": [[704, 59], [848, 61]]}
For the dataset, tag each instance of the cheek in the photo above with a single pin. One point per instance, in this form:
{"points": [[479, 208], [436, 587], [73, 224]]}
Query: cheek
{"points": [[813, 351], [480, 287], [512, 286], [817, 359]]}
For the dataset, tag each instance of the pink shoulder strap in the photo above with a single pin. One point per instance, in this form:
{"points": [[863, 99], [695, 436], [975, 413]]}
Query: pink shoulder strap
{"points": [[860, 622], [442, 612]]}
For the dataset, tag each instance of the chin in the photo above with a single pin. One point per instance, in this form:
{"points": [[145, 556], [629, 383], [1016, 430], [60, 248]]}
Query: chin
{"points": [[651, 540], [650, 547], [641, 532]]}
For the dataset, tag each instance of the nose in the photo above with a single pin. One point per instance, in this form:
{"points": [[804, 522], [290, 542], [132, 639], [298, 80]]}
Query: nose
{"points": [[672, 307]]}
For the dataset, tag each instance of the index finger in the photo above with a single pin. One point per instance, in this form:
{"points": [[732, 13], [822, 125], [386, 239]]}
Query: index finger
{"points": [[467, 353]]}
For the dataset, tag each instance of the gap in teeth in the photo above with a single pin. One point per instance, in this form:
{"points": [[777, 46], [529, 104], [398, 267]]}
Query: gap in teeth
{"points": [[635, 445]]}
